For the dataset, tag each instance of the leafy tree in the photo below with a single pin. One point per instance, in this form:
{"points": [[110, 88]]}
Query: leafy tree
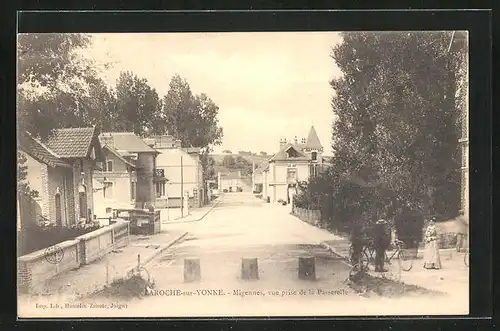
{"points": [[227, 151], [228, 161], [137, 105], [53, 80], [22, 174], [395, 137]]}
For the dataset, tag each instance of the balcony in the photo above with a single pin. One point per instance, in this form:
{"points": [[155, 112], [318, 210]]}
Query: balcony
{"points": [[159, 175]]}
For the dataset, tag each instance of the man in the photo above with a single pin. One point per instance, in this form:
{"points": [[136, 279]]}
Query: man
{"points": [[381, 241]]}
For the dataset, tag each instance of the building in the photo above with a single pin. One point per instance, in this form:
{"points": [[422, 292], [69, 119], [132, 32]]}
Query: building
{"points": [[294, 162], [233, 182], [128, 175], [183, 170], [61, 169], [258, 177]]}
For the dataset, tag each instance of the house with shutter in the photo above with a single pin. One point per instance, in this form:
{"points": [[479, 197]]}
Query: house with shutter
{"points": [[61, 168], [182, 168], [294, 162], [127, 178]]}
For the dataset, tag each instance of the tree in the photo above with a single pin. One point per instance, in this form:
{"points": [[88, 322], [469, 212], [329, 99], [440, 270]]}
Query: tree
{"points": [[192, 119], [22, 174], [228, 161], [53, 79], [395, 136], [137, 105], [227, 151]]}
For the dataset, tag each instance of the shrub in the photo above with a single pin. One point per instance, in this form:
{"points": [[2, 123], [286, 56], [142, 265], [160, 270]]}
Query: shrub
{"points": [[35, 237]]}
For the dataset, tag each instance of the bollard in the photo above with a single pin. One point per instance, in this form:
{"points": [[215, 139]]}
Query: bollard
{"points": [[307, 268], [192, 270], [249, 268]]}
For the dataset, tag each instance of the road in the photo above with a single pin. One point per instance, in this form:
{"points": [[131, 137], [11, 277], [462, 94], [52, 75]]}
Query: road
{"points": [[241, 226]]}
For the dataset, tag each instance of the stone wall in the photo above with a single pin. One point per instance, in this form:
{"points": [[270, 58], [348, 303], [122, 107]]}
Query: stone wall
{"points": [[37, 267], [311, 216]]}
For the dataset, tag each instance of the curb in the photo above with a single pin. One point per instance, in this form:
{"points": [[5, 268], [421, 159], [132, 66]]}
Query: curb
{"points": [[157, 252], [179, 220]]}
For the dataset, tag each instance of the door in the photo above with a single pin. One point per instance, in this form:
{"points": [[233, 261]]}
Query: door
{"points": [[58, 209]]}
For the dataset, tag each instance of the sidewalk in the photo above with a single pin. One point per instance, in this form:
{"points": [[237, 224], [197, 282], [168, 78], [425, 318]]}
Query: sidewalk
{"points": [[452, 279], [93, 277], [194, 214]]}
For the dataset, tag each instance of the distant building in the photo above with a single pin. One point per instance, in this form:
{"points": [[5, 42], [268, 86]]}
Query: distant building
{"points": [[61, 169], [233, 181], [128, 175], [294, 162], [183, 170]]}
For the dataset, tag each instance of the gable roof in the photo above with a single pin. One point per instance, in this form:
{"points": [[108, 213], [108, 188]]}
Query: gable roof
{"points": [[71, 142], [118, 155], [282, 156], [40, 152], [313, 140], [126, 141]]}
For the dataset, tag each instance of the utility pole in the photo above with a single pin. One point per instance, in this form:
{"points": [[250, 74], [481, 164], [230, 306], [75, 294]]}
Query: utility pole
{"points": [[182, 189]]}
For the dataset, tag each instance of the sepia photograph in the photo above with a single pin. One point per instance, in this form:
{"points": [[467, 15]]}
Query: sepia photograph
{"points": [[242, 174]]}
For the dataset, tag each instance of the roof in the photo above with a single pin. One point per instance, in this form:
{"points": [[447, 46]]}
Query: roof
{"points": [[71, 142], [126, 141], [313, 140], [119, 155], [281, 155], [40, 152]]}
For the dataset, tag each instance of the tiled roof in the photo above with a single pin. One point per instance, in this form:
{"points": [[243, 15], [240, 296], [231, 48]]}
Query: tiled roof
{"points": [[39, 152], [281, 155], [126, 141], [71, 142], [313, 140]]}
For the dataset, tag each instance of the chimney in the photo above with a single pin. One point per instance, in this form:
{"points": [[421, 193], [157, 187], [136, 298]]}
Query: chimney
{"points": [[282, 142]]}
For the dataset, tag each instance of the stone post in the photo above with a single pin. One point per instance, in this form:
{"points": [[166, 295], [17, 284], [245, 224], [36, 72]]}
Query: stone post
{"points": [[249, 268], [307, 268], [192, 270]]}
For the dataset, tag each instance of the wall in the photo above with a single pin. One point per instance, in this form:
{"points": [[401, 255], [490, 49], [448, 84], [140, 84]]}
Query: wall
{"points": [[309, 216], [36, 268], [34, 173], [121, 179]]}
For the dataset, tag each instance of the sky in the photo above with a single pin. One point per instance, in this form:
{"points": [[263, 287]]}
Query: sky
{"points": [[267, 85]]}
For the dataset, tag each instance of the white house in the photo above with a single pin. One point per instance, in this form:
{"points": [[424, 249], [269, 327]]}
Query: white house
{"points": [[183, 172], [295, 161]]}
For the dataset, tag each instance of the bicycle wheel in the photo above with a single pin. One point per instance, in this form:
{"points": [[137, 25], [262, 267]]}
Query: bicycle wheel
{"points": [[405, 261], [355, 272], [466, 258], [364, 261]]}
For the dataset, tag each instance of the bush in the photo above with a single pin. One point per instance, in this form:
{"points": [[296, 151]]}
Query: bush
{"points": [[37, 237], [447, 240]]}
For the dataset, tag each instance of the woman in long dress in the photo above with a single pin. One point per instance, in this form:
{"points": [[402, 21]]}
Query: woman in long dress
{"points": [[431, 255]]}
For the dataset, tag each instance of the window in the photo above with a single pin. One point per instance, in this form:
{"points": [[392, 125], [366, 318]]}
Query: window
{"points": [[109, 210], [108, 191], [291, 175], [108, 166], [314, 156], [313, 170], [133, 188], [160, 189]]}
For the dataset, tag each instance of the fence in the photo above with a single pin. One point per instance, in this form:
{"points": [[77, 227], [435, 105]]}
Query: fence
{"points": [[311, 216], [37, 267]]}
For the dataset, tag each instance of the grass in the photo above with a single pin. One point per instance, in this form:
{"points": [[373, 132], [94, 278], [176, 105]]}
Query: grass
{"points": [[368, 285], [126, 288]]}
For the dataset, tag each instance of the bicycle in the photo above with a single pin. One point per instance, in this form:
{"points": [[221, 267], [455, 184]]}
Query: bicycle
{"points": [[405, 261]]}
